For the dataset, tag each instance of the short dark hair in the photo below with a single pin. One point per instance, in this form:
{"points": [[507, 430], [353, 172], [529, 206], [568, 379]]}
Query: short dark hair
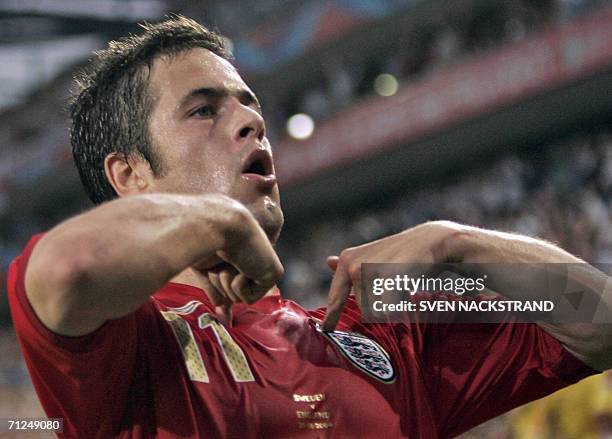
{"points": [[111, 102]]}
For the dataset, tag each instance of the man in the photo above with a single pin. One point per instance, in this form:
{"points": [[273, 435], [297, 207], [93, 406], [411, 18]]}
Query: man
{"points": [[155, 314]]}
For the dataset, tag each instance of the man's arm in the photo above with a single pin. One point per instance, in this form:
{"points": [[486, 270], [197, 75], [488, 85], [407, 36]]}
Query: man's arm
{"points": [[443, 241], [104, 263], [591, 343]]}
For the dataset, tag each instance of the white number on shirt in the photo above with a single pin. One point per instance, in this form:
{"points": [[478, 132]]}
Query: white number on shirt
{"points": [[234, 356]]}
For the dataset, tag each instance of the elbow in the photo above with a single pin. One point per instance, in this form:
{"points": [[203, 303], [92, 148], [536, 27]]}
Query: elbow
{"points": [[599, 355], [54, 287], [592, 344], [61, 274]]}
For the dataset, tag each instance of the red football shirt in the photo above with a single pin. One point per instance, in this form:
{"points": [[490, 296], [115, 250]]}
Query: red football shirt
{"points": [[170, 369]]}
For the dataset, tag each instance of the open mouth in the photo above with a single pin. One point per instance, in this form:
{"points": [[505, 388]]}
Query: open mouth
{"points": [[259, 169], [256, 168], [259, 163]]}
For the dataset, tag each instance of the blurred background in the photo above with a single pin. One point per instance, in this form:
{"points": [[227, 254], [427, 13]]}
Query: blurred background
{"points": [[382, 114]]}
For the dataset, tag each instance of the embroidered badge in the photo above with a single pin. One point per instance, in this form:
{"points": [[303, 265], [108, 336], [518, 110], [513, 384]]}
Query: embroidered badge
{"points": [[364, 353]]}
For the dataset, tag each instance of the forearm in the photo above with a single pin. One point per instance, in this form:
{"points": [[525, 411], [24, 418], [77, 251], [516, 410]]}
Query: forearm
{"points": [[475, 245], [104, 263], [523, 268]]}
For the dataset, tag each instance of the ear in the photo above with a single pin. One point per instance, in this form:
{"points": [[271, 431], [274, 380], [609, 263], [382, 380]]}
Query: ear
{"points": [[128, 176]]}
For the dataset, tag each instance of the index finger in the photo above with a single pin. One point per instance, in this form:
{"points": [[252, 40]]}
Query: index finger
{"points": [[338, 293], [224, 314], [332, 262]]}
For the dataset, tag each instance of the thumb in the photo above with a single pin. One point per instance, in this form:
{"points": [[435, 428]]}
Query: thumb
{"points": [[332, 262]]}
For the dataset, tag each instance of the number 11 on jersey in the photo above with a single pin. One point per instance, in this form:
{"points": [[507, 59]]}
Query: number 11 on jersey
{"points": [[233, 354]]}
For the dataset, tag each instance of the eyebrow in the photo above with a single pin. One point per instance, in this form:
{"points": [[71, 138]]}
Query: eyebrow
{"points": [[245, 96]]}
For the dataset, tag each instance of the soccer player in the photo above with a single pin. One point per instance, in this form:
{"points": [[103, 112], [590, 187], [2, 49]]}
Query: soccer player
{"points": [[155, 314]]}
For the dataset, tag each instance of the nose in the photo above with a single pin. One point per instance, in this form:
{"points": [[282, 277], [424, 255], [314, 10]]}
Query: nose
{"points": [[249, 124]]}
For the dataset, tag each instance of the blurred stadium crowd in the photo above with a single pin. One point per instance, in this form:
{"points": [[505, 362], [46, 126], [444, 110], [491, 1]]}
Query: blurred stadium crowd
{"points": [[560, 192], [418, 51], [559, 189]]}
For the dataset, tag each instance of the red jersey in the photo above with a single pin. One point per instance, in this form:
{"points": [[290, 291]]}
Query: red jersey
{"points": [[170, 369]]}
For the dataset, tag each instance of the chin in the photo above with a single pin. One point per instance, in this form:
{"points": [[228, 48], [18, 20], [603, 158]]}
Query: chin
{"points": [[271, 221], [268, 213]]}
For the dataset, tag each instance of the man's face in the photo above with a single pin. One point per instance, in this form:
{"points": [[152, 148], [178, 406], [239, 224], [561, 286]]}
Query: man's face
{"points": [[207, 129]]}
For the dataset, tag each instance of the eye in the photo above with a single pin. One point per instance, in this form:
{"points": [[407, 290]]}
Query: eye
{"points": [[204, 111]]}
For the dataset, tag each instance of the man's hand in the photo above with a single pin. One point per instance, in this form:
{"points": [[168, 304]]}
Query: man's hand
{"points": [[426, 243], [244, 270], [104, 263], [225, 285], [445, 241]]}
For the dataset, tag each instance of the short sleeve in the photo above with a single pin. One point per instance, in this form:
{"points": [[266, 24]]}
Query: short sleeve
{"points": [[84, 380], [474, 372]]}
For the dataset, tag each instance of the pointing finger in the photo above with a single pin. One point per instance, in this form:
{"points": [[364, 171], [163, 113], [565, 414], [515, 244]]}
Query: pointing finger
{"points": [[216, 297], [215, 280], [224, 314], [338, 293], [332, 262]]}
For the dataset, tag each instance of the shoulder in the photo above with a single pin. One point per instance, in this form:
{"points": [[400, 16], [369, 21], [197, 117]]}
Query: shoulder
{"points": [[17, 297], [23, 258]]}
